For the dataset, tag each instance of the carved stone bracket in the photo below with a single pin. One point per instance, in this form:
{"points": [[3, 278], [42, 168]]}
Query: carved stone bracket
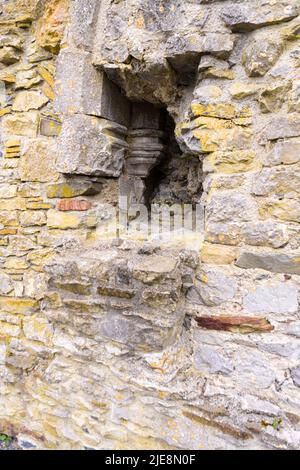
{"points": [[146, 149]]}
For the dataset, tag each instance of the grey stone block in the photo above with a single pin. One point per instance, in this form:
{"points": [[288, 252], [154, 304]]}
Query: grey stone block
{"points": [[261, 54], [283, 127], [209, 360], [274, 262], [91, 146], [282, 181], [278, 298], [137, 333], [284, 349], [214, 288], [81, 88], [265, 233], [243, 18], [231, 206], [83, 22], [296, 376]]}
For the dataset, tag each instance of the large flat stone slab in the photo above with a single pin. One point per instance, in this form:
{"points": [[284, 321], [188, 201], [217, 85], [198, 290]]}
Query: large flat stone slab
{"points": [[274, 262]]}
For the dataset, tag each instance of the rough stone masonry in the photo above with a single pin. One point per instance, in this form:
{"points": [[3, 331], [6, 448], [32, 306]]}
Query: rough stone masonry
{"points": [[132, 344]]}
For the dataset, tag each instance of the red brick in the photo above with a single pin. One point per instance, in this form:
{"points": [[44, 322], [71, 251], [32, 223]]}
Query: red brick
{"points": [[73, 205]]}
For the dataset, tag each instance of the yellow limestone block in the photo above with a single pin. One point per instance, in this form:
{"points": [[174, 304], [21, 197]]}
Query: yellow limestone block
{"points": [[63, 220], [4, 111], [18, 305], [218, 254], [12, 143], [48, 91], [46, 75]]}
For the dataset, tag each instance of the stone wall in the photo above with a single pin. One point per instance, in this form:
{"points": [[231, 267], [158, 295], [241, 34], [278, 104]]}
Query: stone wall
{"points": [[126, 344]]}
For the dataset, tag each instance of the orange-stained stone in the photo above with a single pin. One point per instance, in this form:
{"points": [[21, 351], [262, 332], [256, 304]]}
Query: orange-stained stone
{"points": [[235, 324]]}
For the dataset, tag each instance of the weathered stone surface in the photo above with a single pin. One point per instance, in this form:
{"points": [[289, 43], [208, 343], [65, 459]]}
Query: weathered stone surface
{"points": [[50, 127], [240, 90], [142, 67], [35, 284], [101, 98], [7, 191], [260, 56], [6, 285], [2, 353], [37, 53], [52, 24], [228, 181], [277, 298], [218, 254], [231, 162], [9, 218], [295, 373], [91, 146], [224, 73], [73, 188], [284, 210], [283, 152], [212, 288], [251, 370], [266, 233], [26, 79], [243, 18], [29, 218], [9, 55], [220, 110], [4, 111], [278, 181], [8, 330], [25, 124], [15, 265], [294, 97], [244, 325], [274, 262], [196, 44], [208, 360], [228, 233], [46, 73], [134, 334], [60, 220], [153, 268], [38, 163], [27, 100], [283, 127], [293, 329], [283, 349], [209, 134], [291, 32], [230, 207], [38, 329], [25, 354], [83, 21], [18, 305], [272, 98], [159, 88]]}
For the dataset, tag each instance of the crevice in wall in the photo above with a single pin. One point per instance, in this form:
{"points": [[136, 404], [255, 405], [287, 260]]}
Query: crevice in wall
{"points": [[177, 179]]}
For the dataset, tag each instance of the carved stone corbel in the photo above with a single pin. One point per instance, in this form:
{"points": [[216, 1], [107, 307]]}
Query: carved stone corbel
{"points": [[145, 151]]}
